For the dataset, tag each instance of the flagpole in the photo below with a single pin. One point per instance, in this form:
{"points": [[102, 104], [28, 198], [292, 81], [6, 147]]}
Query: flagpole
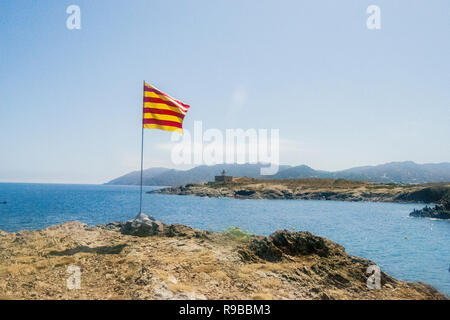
{"points": [[142, 149]]}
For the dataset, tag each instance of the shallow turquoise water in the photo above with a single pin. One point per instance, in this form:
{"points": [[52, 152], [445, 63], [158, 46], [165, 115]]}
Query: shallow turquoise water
{"points": [[371, 230]]}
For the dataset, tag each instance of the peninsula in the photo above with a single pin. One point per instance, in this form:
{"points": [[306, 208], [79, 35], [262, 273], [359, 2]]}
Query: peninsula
{"points": [[313, 189]]}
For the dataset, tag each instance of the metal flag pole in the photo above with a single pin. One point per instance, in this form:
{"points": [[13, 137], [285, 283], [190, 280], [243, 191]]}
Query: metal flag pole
{"points": [[142, 147]]}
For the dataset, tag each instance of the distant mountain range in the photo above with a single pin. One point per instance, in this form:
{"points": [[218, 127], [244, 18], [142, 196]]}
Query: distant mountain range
{"points": [[406, 172], [172, 177]]}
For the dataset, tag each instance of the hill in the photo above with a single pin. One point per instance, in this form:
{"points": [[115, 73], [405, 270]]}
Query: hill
{"points": [[399, 172], [134, 178], [406, 172], [172, 177]]}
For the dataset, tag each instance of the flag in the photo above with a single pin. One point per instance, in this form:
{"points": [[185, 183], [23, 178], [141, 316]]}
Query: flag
{"points": [[161, 111]]}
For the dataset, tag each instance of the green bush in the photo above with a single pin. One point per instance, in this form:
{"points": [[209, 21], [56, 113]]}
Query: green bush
{"points": [[237, 233]]}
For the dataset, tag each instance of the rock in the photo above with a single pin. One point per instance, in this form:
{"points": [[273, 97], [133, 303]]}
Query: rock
{"points": [[172, 279], [180, 267], [162, 292], [184, 295], [445, 201], [143, 226], [437, 212], [244, 193], [113, 226], [143, 218], [273, 194], [431, 194], [179, 230], [324, 296], [144, 278], [441, 211], [285, 243], [146, 226]]}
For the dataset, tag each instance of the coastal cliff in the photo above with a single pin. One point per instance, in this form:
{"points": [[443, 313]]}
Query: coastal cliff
{"points": [[312, 189], [147, 259]]}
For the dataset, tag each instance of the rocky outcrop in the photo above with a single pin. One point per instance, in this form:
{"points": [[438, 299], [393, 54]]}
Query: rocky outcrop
{"points": [[428, 194], [312, 189], [436, 212], [145, 226], [142, 226], [146, 259], [441, 211], [328, 263], [283, 244]]}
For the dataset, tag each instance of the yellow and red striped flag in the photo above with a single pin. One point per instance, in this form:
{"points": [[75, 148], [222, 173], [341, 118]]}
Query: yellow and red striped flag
{"points": [[161, 111]]}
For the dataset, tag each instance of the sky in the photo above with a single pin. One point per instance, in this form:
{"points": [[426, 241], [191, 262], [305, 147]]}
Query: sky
{"points": [[340, 94]]}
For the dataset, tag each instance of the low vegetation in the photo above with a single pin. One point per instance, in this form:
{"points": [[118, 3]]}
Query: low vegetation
{"points": [[236, 233], [147, 259], [314, 188]]}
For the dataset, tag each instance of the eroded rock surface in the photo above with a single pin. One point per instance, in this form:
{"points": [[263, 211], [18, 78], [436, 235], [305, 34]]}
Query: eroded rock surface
{"points": [[441, 211], [147, 259], [312, 189], [144, 226]]}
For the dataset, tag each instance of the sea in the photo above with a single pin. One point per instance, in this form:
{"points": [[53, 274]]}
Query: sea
{"points": [[407, 248]]}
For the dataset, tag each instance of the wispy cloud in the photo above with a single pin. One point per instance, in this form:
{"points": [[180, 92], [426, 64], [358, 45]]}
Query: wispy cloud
{"points": [[239, 97]]}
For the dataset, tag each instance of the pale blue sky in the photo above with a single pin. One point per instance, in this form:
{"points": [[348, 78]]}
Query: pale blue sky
{"points": [[341, 95]]}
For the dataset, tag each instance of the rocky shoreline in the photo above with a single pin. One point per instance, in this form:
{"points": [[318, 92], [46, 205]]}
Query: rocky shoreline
{"points": [[441, 211], [312, 189], [147, 259], [324, 189]]}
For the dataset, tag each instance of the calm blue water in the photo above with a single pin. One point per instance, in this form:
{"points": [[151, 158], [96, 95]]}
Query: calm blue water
{"points": [[371, 230]]}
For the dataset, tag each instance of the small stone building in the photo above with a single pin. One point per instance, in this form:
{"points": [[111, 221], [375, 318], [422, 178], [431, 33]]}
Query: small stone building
{"points": [[223, 177]]}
